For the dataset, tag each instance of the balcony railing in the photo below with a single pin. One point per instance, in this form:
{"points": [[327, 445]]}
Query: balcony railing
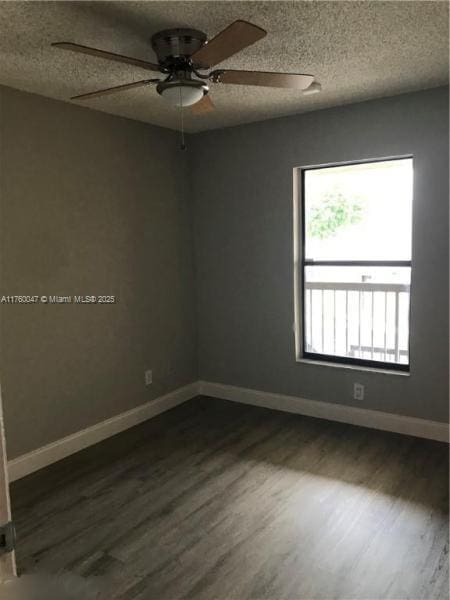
{"points": [[360, 320]]}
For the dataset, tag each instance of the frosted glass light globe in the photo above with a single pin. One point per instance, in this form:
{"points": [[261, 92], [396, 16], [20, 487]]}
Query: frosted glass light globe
{"points": [[189, 95]]}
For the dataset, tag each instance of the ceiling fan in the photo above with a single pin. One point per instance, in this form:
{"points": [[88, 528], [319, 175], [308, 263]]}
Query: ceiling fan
{"points": [[182, 55]]}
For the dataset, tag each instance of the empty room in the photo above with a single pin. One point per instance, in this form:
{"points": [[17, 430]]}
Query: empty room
{"points": [[224, 300]]}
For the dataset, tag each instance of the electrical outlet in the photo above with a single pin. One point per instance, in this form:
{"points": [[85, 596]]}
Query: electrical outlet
{"points": [[358, 391], [148, 377]]}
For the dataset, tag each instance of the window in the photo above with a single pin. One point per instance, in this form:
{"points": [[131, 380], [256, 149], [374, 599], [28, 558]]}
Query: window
{"points": [[354, 291]]}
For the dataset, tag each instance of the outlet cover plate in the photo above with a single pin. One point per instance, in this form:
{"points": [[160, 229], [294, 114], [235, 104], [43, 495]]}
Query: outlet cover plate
{"points": [[358, 391]]}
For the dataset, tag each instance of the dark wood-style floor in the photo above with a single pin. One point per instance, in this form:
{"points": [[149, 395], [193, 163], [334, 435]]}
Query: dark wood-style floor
{"points": [[216, 500]]}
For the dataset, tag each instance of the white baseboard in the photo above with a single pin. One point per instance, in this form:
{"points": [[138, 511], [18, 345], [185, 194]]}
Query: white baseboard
{"points": [[46, 455], [42, 457], [363, 417]]}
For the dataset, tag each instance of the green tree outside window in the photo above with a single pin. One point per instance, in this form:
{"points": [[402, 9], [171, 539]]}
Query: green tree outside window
{"points": [[334, 212]]}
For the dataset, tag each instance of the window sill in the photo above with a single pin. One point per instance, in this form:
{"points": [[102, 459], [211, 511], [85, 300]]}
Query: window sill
{"points": [[320, 363]]}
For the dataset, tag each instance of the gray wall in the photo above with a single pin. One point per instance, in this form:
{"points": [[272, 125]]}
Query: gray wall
{"points": [[96, 204], [90, 204], [243, 233]]}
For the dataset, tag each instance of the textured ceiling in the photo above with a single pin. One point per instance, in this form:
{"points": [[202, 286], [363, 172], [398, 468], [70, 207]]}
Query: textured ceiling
{"points": [[356, 49]]}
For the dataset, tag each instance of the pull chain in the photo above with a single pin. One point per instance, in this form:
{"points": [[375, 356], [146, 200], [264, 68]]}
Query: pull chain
{"points": [[183, 144]]}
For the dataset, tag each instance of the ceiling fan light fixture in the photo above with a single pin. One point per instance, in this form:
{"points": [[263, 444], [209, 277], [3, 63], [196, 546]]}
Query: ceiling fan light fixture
{"points": [[182, 93]]}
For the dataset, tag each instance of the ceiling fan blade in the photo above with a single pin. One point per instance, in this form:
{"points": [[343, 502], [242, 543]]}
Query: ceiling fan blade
{"points": [[232, 39], [137, 62], [113, 90], [278, 80], [203, 106]]}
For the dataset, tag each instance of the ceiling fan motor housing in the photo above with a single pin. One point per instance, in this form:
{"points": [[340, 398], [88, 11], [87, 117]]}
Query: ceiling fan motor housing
{"points": [[173, 47]]}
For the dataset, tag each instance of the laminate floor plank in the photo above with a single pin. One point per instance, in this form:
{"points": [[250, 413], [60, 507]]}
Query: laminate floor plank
{"points": [[219, 501]]}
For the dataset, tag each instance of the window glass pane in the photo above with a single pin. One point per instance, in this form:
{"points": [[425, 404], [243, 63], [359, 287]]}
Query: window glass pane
{"points": [[358, 312], [359, 212]]}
